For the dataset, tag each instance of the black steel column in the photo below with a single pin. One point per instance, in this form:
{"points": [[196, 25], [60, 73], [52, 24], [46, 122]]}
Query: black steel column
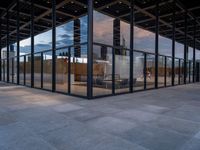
{"points": [[24, 70], [185, 49], [90, 50], [69, 70], [0, 54], [145, 70], [132, 20], [7, 42], [116, 36], [156, 43], [42, 60], [165, 71], [77, 38], [32, 43], [179, 71], [53, 45], [18, 39], [194, 53], [173, 40]]}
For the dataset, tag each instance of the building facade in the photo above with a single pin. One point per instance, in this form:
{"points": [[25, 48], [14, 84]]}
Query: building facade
{"points": [[96, 48]]}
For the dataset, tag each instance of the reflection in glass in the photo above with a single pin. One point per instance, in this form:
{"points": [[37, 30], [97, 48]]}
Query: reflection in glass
{"points": [[37, 70], [191, 71], [169, 72], [188, 72], [62, 60], [15, 69], [21, 69], [161, 71], [150, 71], [47, 70], [28, 70], [79, 70], [176, 72], [138, 71], [102, 70], [122, 71], [182, 72]]}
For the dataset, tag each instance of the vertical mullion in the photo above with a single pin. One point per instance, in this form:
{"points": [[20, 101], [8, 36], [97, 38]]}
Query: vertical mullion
{"points": [[145, 70], [12, 68], [173, 41], [156, 43], [53, 45], [194, 52], [18, 38], [32, 43], [24, 69], [185, 49], [7, 28], [132, 20], [179, 72], [0, 54], [42, 59], [90, 51], [165, 71], [69, 70]]}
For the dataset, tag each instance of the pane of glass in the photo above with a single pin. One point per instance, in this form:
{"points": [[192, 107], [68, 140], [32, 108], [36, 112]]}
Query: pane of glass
{"points": [[176, 72], [169, 72], [150, 71], [138, 71], [15, 70], [37, 70], [21, 70], [182, 72], [79, 70], [47, 70], [102, 70], [62, 60], [161, 71], [28, 70], [122, 71]]}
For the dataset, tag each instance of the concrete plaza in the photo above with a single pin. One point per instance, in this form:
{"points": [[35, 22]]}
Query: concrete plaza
{"points": [[164, 119]]}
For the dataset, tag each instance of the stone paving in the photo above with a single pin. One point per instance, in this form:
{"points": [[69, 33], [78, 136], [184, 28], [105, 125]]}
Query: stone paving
{"points": [[164, 119]]}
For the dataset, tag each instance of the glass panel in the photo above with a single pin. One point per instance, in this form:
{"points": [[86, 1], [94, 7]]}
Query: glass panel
{"points": [[176, 72], [37, 70], [191, 71], [28, 70], [102, 70], [5, 61], [21, 70], [62, 60], [179, 50], [47, 70], [169, 72], [182, 72], [79, 70], [150, 71], [138, 71], [122, 71], [15, 70], [161, 71], [188, 72]]}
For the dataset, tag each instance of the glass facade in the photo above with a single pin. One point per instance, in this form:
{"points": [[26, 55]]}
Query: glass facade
{"points": [[80, 51]]}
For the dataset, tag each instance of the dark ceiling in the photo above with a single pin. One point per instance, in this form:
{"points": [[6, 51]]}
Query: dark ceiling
{"points": [[67, 10]]}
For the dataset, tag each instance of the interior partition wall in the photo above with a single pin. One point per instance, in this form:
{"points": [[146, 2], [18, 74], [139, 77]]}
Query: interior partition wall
{"points": [[91, 53]]}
